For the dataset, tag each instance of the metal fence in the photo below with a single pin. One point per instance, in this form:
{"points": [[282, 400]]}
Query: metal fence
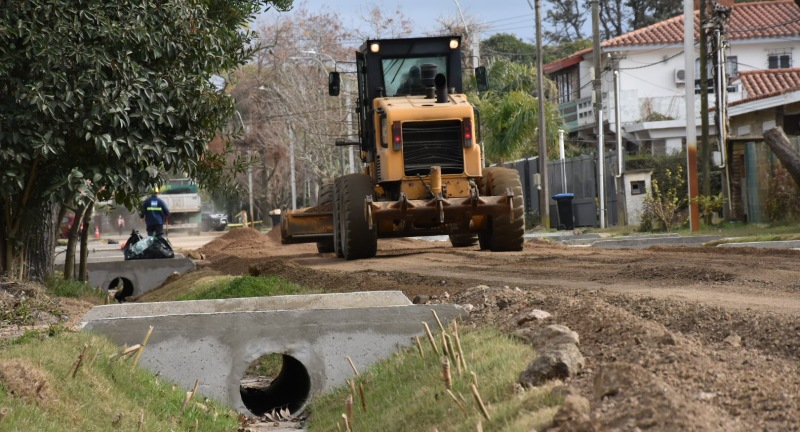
{"points": [[581, 180]]}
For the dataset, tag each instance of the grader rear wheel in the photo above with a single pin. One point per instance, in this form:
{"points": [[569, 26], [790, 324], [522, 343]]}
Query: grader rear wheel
{"points": [[358, 241], [325, 198], [504, 233], [463, 240]]}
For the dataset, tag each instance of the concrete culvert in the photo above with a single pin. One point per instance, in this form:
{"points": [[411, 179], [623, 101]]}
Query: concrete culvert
{"points": [[124, 288], [289, 388]]}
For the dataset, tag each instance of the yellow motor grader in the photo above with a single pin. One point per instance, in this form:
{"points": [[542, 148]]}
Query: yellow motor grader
{"points": [[423, 173]]}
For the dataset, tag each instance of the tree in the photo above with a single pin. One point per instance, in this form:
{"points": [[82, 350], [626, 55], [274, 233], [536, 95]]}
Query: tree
{"points": [[283, 98], [566, 18], [508, 47], [648, 12], [509, 112], [98, 99]]}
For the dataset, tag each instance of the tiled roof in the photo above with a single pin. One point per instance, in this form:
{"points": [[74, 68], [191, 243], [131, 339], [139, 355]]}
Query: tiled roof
{"points": [[747, 21], [762, 84]]}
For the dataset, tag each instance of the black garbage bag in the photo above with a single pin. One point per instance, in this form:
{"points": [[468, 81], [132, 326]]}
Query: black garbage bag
{"points": [[160, 248], [138, 247]]}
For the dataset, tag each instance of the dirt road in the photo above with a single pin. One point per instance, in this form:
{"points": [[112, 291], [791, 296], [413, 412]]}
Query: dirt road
{"points": [[675, 338]]}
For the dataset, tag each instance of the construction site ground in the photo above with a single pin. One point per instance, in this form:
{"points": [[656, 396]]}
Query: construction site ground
{"points": [[686, 338], [675, 338]]}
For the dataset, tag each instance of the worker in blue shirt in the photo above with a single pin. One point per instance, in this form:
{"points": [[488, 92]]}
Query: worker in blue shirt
{"points": [[155, 213]]}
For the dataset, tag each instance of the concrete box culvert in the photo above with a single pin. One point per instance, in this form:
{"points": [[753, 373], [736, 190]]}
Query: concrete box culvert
{"points": [[144, 275], [215, 341]]}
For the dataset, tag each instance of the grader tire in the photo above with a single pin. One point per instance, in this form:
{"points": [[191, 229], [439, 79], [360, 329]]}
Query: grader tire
{"points": [[358, 241], [463, 240], [325, 198], [337, 218], [504, 234]]}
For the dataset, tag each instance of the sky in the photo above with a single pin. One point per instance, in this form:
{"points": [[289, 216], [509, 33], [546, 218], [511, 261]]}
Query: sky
{"points": [[501, 16]]}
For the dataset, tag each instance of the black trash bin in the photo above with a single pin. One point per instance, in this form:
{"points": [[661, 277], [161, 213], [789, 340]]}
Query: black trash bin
{"points": [[564, 205]]}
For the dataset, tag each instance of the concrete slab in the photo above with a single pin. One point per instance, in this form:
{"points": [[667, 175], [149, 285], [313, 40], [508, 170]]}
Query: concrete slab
{"points": [[216, 341], [643, 243], [783, 244]]}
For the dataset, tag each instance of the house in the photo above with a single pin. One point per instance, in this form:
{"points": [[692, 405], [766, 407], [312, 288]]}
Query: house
{"points": [[769, 98], [761, 36]]}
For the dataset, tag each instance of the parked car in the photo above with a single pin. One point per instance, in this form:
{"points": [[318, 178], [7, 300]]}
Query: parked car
{"points": [[214, 221], [66, 225]]}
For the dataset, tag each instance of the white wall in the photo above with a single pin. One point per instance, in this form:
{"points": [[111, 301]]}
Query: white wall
{"points": [[654, 86]]}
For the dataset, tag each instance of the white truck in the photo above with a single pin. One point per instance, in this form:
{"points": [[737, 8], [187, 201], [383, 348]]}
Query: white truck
{"points": [[184, 205]]}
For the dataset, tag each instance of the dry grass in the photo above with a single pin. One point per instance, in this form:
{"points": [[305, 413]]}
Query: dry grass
{"points": [[407, 392], [37, 388]]}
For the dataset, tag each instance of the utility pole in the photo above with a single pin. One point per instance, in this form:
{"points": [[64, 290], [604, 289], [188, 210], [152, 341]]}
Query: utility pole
{"points": [[706, 148], [291, 168], [691, 128], [544, 195], [597, 96]]}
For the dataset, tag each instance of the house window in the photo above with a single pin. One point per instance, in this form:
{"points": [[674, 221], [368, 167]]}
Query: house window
{"points": [[564, 83], [779, 59], [638, 187], [731, 66]]}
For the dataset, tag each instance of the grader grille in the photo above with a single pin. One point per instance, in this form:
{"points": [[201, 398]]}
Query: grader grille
{"points": [[433, 143]]}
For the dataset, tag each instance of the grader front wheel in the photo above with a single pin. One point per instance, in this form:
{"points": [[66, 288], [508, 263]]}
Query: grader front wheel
{"points": [[358, 241], [504, 233], [325, 199]]}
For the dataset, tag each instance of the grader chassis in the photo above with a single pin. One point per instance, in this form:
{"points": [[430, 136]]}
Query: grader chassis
{"points": [[422, 166]]}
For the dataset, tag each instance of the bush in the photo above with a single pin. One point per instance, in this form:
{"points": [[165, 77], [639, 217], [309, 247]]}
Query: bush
{"points": [[661, 207], [783, 201]]}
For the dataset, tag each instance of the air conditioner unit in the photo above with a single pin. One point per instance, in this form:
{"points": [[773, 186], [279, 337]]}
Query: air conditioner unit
{"points": [[680, 76]]}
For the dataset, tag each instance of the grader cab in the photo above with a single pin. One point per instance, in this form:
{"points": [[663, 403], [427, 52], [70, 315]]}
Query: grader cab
{"points": [[423, 170]]}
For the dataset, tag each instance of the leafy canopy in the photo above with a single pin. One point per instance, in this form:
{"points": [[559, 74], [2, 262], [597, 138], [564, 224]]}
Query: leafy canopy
{"points": [[510, 112], [99, 98]]}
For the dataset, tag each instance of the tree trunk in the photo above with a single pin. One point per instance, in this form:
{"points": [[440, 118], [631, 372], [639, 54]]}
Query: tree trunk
{"points": [[785, 151], [28, 252], [38, 252], [87, 217], [72, 240]]}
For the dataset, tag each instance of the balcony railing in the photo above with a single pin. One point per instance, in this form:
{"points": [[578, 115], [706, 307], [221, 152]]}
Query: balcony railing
{"points": [[578, 113]]}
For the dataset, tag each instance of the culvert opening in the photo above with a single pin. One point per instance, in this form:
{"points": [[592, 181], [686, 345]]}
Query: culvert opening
{"points": [[275, 381], [120, 288]]}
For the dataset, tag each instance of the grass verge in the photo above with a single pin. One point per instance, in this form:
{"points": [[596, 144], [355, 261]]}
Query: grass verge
{"points": [[407, 392], [39, 393], [242, 286], [57, 286]]}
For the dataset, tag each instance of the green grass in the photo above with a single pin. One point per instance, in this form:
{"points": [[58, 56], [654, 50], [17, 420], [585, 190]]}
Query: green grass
{"points": [[407, 393], [57, 286], [101, 390], [243, 286]]}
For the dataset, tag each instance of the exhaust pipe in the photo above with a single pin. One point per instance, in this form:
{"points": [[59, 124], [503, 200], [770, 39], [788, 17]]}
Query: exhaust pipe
{"points": [[441, 89], [428, 75]]}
